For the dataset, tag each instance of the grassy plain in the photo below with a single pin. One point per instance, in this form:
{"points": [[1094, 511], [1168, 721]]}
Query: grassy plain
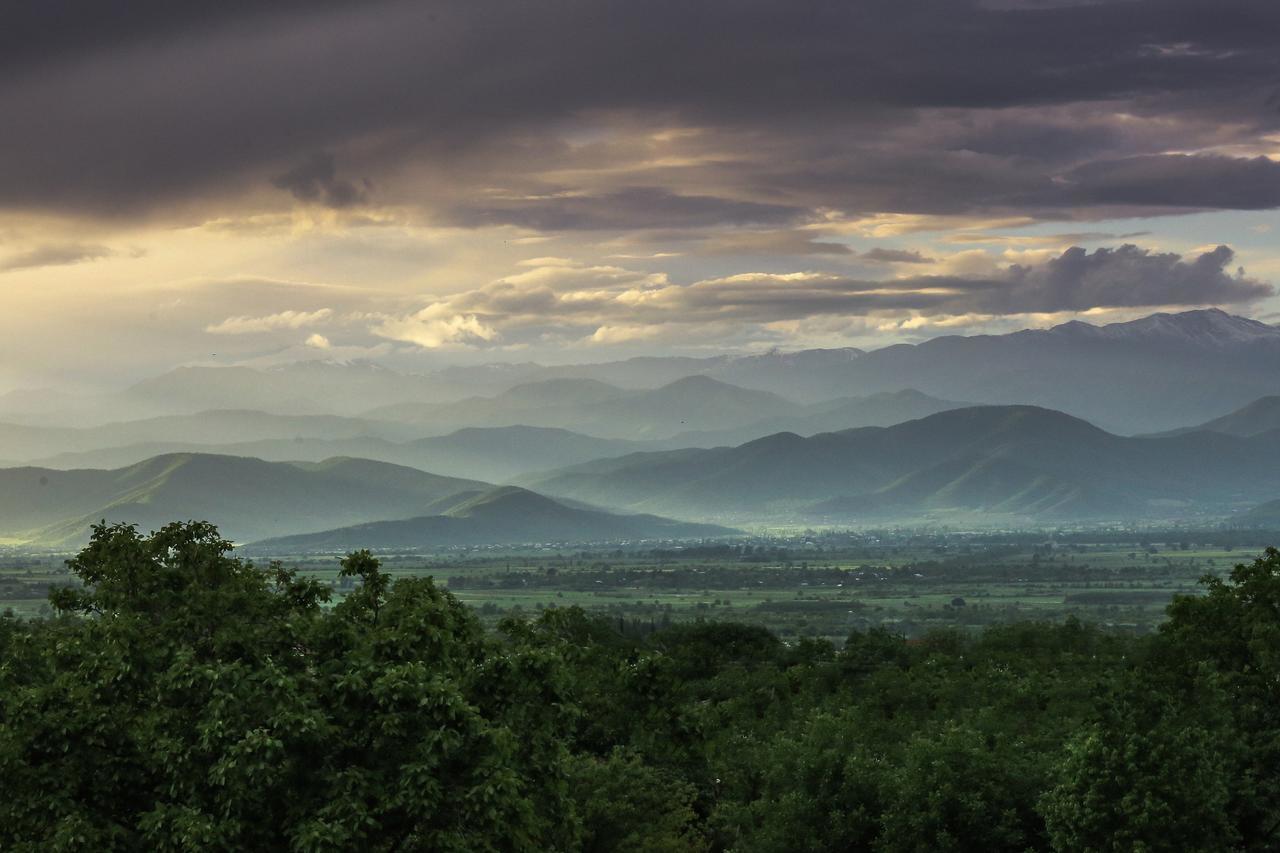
{"points": [[815, 584]]}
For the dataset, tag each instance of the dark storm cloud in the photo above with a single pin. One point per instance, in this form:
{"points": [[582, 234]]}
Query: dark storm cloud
{"points": [[1126, 277], [316, 180], [149, 104], [1179, 180], [1076, 280], [45, 31]]}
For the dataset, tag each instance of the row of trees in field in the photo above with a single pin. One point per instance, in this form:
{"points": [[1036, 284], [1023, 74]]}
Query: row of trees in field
{"points": [[183, 699]]}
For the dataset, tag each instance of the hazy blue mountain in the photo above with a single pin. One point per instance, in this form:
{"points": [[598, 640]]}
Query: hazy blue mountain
{"points": [[634, 373], [493, 454], [247, 498], [1264, 516], [23, 442], [1262, 415], [795, 375], [883, 409], [606, 411], [498, 454], [1012, 460], [487, 453], [1157, 373], [556, 392], [506, 515], [804, 375], [692, 403], [521, 404], [306, 387], [272, 450], [301, 388]]}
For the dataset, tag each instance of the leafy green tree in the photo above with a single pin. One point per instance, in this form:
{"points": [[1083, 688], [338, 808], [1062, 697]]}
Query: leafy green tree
{"points": [[187, 700], [627, 806], [1153, 773], [816, 787], [698, 650], [180, 698], [867, 652], [960, 791], [1233, 633]]}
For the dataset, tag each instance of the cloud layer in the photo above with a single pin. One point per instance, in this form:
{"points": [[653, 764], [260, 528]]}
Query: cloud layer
{"points": [[252, 182], [571, 302], [609, 114]]}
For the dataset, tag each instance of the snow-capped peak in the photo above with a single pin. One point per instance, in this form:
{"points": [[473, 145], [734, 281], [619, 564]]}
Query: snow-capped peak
{"points": [[1208, 327]]}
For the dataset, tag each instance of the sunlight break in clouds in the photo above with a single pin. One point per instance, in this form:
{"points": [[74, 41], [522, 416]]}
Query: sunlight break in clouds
{"points": [[1056, 125], [271, 322], [612, 305]]}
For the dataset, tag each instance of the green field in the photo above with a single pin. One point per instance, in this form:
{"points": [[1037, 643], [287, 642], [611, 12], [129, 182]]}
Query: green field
{"points": [[822, 585]]}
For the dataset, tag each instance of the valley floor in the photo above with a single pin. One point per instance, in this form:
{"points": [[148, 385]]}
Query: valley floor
{"points": [[823, 586]]}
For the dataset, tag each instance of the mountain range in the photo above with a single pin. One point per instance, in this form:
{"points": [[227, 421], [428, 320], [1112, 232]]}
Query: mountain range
{"points": [[1172, 416], [999, 461], [248, 498], [487, 453], [251, 499], [606, 411], [1262, 415], [885, 408], [493, 454], [504, 516], [1156, 373], [26, 443], [1153, 374], [982, 464]]}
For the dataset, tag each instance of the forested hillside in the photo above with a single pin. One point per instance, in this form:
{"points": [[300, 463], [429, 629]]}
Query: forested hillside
{"points": [[182, 698]]}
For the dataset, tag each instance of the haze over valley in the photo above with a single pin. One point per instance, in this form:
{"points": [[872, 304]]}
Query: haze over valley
{"points": [[1184, 430]]}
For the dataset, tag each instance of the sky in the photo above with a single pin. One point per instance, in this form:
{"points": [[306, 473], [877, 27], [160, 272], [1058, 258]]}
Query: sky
{"points": [[458, 181]]}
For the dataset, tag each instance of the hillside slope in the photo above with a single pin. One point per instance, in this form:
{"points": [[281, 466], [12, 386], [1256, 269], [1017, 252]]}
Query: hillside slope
{"points": [[1011, 460], [1262, 415], [604, 411], [882, 409], [495, 454], [247, 498], [217, 426], [507, 515]]}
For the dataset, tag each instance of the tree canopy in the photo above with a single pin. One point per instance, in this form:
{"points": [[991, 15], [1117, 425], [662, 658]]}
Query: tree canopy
{"points": [[181, 698]]}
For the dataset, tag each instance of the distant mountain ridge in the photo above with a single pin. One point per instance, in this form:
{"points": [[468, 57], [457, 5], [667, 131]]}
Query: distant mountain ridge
{"points": [[504, 516], [1264, 516], [494, 454], [605, 411], [789, 373], [1154, 373], [20, 441], [306, 387], [1007, 460], [885, 408], [1262, 415], [1207, 328], [247, 498], [1147, 375]]}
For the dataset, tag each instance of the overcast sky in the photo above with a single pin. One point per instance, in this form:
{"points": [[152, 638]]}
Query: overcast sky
{"points": [[581, 180]]}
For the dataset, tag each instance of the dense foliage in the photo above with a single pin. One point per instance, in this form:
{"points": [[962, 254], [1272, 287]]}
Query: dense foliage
{"points": [[183, 699]]}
